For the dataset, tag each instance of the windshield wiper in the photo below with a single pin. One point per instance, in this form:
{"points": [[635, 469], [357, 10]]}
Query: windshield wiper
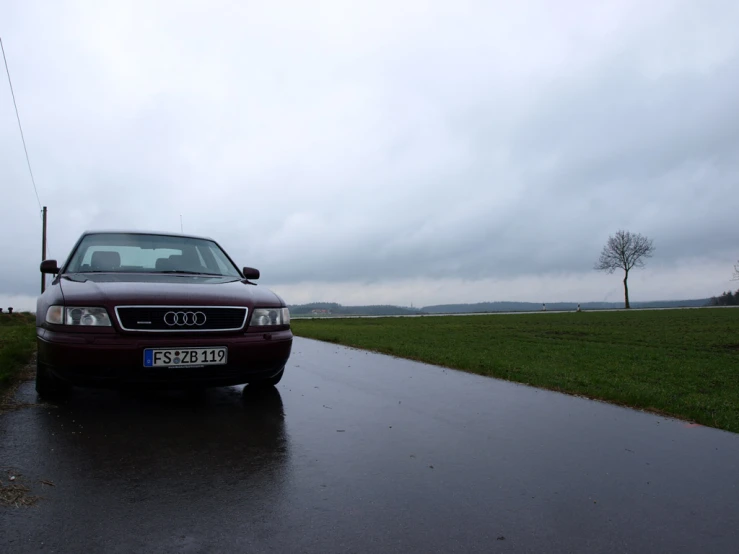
{"points": [[184, 272]]}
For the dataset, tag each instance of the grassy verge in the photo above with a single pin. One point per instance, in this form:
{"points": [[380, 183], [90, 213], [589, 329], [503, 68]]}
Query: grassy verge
{"points": [[677, 362], [17, 343]]}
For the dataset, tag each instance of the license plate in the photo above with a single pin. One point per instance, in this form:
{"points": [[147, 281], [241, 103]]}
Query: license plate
{"points": [[185, 357]]}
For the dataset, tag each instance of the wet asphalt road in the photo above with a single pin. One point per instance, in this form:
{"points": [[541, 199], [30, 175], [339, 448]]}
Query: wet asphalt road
{"points": [[356, 452]]}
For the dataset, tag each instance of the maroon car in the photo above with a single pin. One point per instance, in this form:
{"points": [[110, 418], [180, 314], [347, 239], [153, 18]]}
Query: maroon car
{"points": [[156, 310]]}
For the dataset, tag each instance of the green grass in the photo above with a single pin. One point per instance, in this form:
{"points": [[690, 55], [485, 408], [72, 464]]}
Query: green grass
{"points": [[17, 343], [676, 362]]}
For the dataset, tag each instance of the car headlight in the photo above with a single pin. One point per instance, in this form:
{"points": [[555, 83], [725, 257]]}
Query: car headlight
{"points": [[86, 317], [55, 314], [270, 316]]}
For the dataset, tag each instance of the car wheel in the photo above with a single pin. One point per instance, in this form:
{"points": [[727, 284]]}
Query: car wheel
{"points": [[49, 387], [271, 382]]}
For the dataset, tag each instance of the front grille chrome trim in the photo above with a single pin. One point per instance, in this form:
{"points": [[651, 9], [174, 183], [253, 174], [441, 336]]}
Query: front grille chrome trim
{"points": [[180, 307]]}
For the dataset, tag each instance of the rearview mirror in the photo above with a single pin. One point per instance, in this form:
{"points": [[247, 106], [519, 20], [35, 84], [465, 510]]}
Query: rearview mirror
{"points": [[250, 273], [49, 266]]}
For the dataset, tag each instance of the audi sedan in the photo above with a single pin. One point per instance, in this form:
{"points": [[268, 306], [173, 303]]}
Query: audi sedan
{"points": [[156, 310]]}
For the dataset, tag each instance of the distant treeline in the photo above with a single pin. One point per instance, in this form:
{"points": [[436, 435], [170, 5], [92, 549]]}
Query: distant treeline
{"points": [[726, 299], [332, 308], [557, 306]]}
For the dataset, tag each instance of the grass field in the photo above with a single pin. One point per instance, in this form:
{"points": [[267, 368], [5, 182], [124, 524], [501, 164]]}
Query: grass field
{"points": [[17, 343], [677, 362]]}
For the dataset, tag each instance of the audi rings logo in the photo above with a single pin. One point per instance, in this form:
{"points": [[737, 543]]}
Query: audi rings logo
{"points": [[185, 319]]}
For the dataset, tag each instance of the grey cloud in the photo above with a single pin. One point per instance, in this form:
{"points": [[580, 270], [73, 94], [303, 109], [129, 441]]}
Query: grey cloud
{"points": [[479, 144]]}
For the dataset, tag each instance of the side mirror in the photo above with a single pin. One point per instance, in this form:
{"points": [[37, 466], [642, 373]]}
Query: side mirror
{"points": [[49, 266], [250, 273]]}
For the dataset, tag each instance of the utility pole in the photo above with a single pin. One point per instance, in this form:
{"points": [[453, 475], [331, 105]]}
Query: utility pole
{"points": [[43, 248]]}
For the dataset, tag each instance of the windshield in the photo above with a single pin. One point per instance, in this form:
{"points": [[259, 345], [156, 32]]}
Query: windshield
{"points": [[139, 253]]}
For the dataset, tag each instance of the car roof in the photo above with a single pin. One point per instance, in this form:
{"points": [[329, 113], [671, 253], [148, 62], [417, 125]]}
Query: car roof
{"points": [[140, 232]]}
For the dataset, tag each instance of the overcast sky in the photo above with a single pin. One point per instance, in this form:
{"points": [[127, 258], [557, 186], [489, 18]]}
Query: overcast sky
{"points": [[382, 151]]}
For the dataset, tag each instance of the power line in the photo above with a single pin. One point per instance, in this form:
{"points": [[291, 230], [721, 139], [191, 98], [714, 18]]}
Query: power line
{"points": [[18, 117]]}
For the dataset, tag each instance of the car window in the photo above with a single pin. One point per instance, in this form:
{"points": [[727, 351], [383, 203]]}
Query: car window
{"points": [[220, 260], [200, 258], [131, 256], [122, 252]]}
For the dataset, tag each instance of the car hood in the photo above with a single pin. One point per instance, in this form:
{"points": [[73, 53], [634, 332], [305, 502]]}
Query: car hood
{"points": [[116, 290]]}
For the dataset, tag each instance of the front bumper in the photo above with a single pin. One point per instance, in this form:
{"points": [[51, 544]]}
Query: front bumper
{"points": [[114, 360]]}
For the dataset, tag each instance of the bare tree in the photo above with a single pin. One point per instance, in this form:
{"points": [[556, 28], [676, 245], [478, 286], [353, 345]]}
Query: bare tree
{"points": [[625, 251], [736, 272]]}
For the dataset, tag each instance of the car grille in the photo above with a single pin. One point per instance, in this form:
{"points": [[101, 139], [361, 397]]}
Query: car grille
{"points": [[162, 319]]}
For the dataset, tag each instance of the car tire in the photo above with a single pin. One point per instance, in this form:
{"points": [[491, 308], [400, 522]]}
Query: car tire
{"points": [[270, 382], [49, 387]]}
